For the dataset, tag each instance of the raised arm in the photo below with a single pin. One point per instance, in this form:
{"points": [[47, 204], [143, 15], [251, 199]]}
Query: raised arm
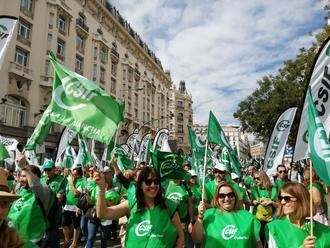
{"points": [[102, 211]]}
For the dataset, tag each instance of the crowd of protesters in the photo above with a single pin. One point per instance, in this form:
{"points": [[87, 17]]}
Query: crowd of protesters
{"points": [[142, 210]]}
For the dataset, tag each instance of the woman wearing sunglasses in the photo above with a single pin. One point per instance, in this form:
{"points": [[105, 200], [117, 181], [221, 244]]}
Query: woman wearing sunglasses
{"points": [[153, 222], [225, 225], [264, 200], [291, 228]]}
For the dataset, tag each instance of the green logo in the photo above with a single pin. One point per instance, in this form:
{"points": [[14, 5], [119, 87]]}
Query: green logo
{"points": [[283, 125], [143, 228], [305, 137], [167, 167], [3, 32]]}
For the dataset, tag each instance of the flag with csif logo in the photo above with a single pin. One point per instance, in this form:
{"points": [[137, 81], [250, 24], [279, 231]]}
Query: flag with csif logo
{"points": [[276, 145], [82, 106], [319, 146]]}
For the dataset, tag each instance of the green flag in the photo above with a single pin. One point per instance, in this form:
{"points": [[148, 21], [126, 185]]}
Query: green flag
{"points": [[107, 151], [225, 158], [319, 147], [40, 132], [83, 156], [215, 134], [69, 157], [169, 165], [123, 160], [3, 152]]}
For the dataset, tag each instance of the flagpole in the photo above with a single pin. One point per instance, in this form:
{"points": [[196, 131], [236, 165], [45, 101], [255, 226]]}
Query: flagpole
{"points": [[204, 171], [311, 196], [116, 138]]}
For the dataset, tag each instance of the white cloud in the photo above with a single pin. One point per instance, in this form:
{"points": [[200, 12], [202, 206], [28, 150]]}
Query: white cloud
{"points": [[216, 45]]}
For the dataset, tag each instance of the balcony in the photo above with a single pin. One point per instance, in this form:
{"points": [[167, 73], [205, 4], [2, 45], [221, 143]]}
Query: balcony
{"points": [[179, 107], [114, 55], [21, 70], [137, 75], [46, 81], [23, 40], [27, 12], [81, 25]]}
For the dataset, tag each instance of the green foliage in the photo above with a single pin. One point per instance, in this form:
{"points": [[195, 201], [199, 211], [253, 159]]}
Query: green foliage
{"points": [[275, 93]]}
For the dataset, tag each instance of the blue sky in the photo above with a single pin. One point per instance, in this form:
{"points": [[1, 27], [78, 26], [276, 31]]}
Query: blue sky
{"points": [[222, 47]]}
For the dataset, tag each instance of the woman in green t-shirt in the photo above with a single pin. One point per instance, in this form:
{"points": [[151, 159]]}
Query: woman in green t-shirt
{"points": [[291, 228], [153, 222], [319, 197], [225, 225]]}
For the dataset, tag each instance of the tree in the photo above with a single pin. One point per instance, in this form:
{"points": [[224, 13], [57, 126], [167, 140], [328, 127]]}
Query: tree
{"points": [[276, 93]]}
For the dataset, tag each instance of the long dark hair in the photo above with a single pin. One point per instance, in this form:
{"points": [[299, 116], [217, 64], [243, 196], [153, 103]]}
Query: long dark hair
{"points": [[159, 199]]}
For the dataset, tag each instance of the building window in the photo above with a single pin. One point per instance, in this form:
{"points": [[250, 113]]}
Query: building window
{"points": [[124, 74], [24, 30], [47, 68], [113, 68], [180, 128], [103, 55], [94, 71], [130, 75], [79, 63], [60, 47], [180, 140], [102, 74], [180, 105], [113, 85], [26, 4], [95, 53], [80, 43], [21, 57], [50, 20], [13, 112], [49, 41], [180, 117], [61, 23]]}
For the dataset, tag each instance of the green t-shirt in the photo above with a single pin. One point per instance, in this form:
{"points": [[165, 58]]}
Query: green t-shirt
{"points": [[258, 193], [152, 228], [248, 181], [90, 185], [57, 184], [280, 183], [323, 196], [239, 229], [197, 197], [71, 199], [179, 194], [287, 235], [11, 184]]}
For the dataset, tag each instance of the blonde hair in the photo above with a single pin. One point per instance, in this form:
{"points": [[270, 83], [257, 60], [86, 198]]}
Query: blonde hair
{"points": [[300, 192], [215, 202], [264, 179]]}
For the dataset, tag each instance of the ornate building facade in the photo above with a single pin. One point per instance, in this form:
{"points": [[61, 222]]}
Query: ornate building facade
{"points": [[93, 39]]}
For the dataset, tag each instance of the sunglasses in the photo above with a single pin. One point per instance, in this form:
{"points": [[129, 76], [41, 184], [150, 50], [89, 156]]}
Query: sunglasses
{"points": [[148, 182], [282, 172], [229, 195], [218, 172], [286, 198], [257, 178], [47, 169]]}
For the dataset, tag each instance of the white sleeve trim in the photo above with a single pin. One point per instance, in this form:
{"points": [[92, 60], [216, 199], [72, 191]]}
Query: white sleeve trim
{"points": [[271, 242]]}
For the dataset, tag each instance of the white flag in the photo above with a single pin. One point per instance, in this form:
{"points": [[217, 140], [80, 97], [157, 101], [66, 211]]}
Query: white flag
{"points": [[319, 81], [7, 26], [276, 145]]}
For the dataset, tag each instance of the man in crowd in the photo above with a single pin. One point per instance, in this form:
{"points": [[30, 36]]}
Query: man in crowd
{"points": [[28, 214], [57, 184], [71, 213], [282, 177]]}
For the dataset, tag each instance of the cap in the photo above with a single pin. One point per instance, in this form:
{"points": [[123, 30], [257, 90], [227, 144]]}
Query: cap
{"points": [[234, 176], [49, 164], [220, 167], [192, 173], [106, 169]]}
